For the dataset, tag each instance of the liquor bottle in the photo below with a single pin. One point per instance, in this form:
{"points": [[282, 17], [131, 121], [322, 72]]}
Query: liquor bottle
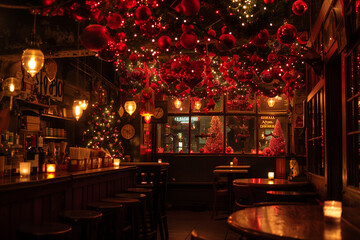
{"points": [[42, 163], [33, 155]]}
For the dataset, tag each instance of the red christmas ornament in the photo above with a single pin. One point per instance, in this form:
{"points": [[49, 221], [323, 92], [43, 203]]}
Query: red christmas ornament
{"points": [[225, 30], [212, 32], [191, 7], [227, 42], [201, 150], [164, 42], [151, 28], [302, 38], [180, 8], [188, 40], [80, 13], [266, 77], [47, 2], [109, 53], [121, 36], [272, 57], [286, 34], [268, 1], [261, 39], [229, 150], [122, 47], [142, 14], [299, 7], [114, 21], [96, 15], [94, 37], [187, 28], [133, 57]]}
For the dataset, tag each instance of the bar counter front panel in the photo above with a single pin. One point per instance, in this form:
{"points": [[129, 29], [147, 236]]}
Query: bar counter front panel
{"points": [[40, 198]]}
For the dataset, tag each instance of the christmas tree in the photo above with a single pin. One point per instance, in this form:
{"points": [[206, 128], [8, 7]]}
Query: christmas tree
{"points": [[102, 132], [277, 141], [214, 143]]}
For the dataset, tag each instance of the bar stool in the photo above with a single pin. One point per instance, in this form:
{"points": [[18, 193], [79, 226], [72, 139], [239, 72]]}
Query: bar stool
{"points": [[130, 220], [83, 222], [148, 230], [110, 227], [46, 231]]}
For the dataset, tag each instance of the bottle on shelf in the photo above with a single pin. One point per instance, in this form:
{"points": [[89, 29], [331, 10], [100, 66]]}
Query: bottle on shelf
{"points": [[42, 162], [33, 155]]}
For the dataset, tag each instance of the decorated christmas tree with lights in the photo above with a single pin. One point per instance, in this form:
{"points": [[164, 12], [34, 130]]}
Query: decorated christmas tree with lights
{"points": [[102, 132], [277, 141], [214, 143]]}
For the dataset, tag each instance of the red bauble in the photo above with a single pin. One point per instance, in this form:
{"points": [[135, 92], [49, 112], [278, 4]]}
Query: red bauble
{"points": [[94, 37], [80, 13], [121, 36], [225, 30], [164, 42], [212, 32], [187, 28], [142, 14], [133, 57], [266, 76], [138, 74], [191, 7], [201, 150], [299, 7], [175, 66], [151, 28], [122, 47], [272, 57], [286, 34], [229, 150], [180, 8], [47, 2], [188, 40], [227, 42], [268, 1], [96, 15], [109, 53], [261, 39], [114, 21]]}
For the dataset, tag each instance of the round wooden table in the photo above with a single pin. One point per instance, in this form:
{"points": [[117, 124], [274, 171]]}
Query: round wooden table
{"points": [[289, 222], [266, 183]]}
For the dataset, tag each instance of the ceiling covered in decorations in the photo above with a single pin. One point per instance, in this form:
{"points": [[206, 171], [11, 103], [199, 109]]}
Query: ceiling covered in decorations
{"points": [[183, 48]]}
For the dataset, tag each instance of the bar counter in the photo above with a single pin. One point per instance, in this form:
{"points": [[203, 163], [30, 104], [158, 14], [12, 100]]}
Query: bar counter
{"points": [[40, 198]]}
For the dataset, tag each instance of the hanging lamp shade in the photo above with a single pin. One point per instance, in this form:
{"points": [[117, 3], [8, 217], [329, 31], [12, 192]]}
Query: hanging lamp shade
{"points": [[130, 107], [32, 61], [11, 86], [77, 110], [197, 105], [84, 104], [147, 117], [271, 102], [177, 103]]}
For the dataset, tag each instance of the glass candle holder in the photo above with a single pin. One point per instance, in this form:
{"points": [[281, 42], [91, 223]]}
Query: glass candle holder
{"points": [[271, 175], [332, 211], [116, 162], [50, 168], [25, 169], [159, 160], [231, 164]]}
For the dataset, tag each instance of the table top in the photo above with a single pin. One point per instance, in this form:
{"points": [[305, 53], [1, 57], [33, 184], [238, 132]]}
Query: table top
{"points": [[264, 182], [144, 164], [233, 167], [290, 222], [290, 193], [230, 171]]}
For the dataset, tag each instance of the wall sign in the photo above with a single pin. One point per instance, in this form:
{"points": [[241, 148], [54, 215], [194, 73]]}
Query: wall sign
{"points": [[53, 89], [267, 122]]}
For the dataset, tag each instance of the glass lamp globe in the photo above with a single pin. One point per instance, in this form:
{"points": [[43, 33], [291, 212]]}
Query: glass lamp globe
{"points": [[11, 86], [84, 104], [177, 103], [32, 61], [77, 109], [130, 107], [197, 105], [271, 102]]}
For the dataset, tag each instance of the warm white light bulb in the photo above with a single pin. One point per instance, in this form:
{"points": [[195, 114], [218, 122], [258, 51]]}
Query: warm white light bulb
{"points": [[12, 87], [32, 63]]}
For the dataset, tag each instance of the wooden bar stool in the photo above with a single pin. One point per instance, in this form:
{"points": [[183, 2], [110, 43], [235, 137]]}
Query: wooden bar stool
{"points": [[46, 231], [148, 230], [110, 227], [84, 223]]}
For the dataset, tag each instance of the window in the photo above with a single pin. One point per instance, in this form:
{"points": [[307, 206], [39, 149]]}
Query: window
{"points": [[353, 117], [315, 134], [239, 125]]}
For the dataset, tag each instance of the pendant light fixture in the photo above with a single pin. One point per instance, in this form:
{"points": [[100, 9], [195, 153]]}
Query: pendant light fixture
{"points": [[32, 58], [77, 110], [271, 102], [11, 87], [130, 107]]}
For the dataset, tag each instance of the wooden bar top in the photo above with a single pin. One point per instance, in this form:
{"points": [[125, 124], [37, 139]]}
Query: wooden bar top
{"points": [[15, 182], [233, 167]]}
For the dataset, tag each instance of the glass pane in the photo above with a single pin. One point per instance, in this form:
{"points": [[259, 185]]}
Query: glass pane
{"points": [[173, 137], [240, 134], [272, 135], [350, 76], [239, 103], [198, 104], [275, 104], [354, 115], [354, 164], [207, 134], [178, 105]]}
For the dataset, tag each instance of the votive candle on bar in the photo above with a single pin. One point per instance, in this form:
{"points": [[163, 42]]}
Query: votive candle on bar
{"points": [[116, 162], [25, 169], [159, 160], [332, 211], [271, 175], [231, 164], [50, 168]]}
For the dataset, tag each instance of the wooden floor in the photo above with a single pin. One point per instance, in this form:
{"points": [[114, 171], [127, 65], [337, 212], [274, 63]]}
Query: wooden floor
{"points": [[182, 222]]}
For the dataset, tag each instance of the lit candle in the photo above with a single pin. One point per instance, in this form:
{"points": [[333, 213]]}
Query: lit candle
{"points": [[116, 162], [50, 168], [271, 175], [231, 164], [159, 160], [332, 211], [25, 169]]}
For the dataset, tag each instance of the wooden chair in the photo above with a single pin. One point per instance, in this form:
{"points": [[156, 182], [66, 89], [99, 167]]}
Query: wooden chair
{"points": [[220, 193]]}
